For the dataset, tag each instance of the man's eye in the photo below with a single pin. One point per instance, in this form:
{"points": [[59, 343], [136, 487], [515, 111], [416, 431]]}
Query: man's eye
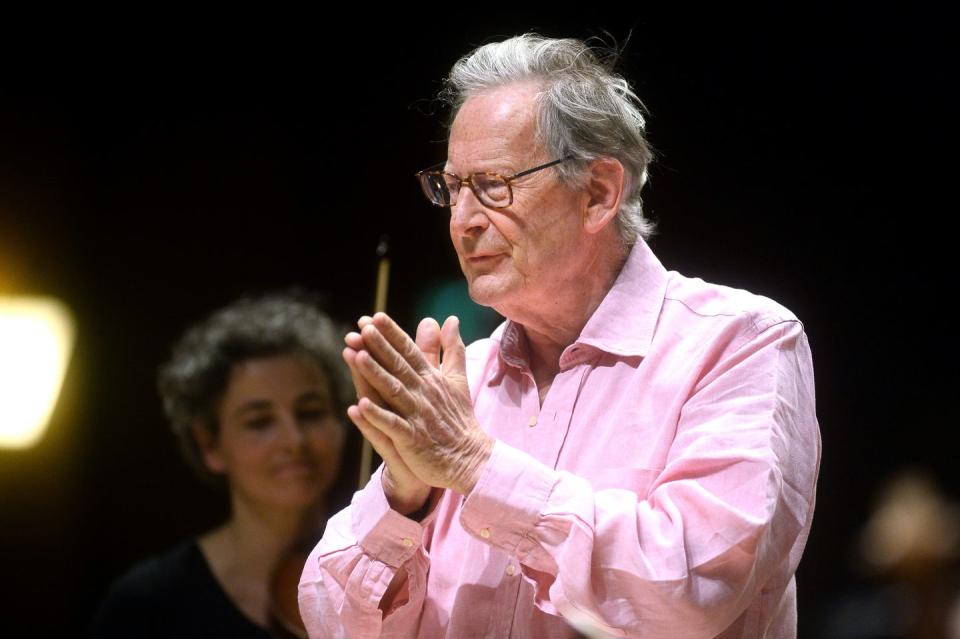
{"points": [[496, 189]]}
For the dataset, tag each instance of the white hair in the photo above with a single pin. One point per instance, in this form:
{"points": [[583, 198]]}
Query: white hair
{"points": [[585, 110]]}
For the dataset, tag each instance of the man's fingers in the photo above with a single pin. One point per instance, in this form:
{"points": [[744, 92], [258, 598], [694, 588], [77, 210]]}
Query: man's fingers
{"points": [[354, 340], [395, 362], [355, 344], [361, 385], [454, 352], [428, 340], [390, 389], [402, 476], [400, 342], [390, 424], [380, 442]]}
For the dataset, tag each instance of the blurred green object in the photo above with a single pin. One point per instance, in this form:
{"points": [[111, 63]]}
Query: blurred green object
{"points": [[450, 297]]}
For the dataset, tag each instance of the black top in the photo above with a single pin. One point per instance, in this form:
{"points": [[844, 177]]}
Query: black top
{"points": [[175, 595]]}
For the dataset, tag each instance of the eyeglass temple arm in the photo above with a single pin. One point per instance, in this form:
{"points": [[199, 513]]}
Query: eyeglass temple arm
{"points": [[540, 168]]}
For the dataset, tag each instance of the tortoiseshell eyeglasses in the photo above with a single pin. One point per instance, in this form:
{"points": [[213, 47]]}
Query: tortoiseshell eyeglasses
{"points": [[492, 189]]}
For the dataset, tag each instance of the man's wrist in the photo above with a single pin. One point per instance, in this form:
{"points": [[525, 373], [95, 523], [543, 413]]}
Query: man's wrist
{"points": [[474, 465], [403, 504], [421, 513], [407, 508]]}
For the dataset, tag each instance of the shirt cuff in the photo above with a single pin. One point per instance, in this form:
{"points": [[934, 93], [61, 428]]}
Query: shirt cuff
{"points": [[506, 503], [382, 532]]}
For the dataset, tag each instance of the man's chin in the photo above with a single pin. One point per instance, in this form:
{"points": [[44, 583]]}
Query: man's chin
{"points": [[486, 290]]}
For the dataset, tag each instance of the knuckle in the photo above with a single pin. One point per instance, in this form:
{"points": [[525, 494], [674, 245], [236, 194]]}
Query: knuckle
{"points": [[402, 429], [397, 361], [410, 349], [395, 388]]}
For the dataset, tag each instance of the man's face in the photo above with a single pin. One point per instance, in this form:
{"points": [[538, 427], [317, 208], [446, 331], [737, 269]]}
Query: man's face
{"points": [[515, 258]]}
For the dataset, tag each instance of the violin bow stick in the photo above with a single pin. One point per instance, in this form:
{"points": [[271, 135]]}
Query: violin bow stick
{"points": [[379, 305]]}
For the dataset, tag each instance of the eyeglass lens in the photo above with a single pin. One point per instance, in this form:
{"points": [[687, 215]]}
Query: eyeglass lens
{"points": [[435, 188], [442, 188]]}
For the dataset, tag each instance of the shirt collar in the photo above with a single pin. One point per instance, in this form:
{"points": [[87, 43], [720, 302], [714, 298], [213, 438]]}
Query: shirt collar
{"points": [[624, 322]]}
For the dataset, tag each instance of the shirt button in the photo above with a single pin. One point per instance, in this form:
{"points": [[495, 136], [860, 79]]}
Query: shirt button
{"points": [[511, 569], [532, 421], [407, 542], [485, 533]]}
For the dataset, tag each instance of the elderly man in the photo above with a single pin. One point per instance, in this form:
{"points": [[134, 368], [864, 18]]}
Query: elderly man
{"points": [[632, 453]]}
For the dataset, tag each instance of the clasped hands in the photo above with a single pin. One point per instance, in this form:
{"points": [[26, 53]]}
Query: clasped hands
{"points": [[413, 406]]}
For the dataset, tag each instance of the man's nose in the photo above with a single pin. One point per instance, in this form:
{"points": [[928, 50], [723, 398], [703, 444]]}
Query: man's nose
{"points": [[468, 216]]}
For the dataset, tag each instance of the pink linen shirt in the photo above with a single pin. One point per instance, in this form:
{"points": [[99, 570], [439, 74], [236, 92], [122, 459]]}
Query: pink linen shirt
{"points": [[665, 488]]}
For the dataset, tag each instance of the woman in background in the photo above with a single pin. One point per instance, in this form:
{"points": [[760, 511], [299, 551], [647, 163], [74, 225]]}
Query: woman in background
{"points": [[254, 394]]}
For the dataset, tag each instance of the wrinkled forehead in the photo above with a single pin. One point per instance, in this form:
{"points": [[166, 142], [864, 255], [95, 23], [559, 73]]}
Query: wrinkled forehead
{"points": [[496, 123]]}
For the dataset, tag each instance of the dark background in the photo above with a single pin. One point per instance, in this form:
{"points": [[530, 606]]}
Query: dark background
{"points": [[151, 173]]}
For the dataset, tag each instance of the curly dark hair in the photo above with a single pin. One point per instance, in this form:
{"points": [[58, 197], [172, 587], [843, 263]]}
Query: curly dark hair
{"points": [[192, 383]]}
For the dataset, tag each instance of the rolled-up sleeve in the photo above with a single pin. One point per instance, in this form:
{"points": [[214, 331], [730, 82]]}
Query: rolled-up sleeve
{"points": [[347, 573]]}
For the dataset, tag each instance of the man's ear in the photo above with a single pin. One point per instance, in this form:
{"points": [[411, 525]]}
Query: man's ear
{"points": [[209, 447], [606, 183]]}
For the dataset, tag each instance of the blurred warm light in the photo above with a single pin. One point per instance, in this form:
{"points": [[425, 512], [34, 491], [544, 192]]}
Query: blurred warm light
{"points": [[914, 525], [36, 339]]}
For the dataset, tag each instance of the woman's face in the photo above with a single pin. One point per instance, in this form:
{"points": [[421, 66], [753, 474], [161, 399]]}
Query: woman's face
{"points": [[280, 439]]}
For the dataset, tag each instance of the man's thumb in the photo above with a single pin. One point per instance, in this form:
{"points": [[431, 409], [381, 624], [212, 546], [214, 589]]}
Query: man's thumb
{"points": [[454, 352]]}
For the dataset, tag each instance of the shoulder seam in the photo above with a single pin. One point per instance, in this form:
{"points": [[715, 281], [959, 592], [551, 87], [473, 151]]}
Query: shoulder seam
{"points": [[695, 311]]}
